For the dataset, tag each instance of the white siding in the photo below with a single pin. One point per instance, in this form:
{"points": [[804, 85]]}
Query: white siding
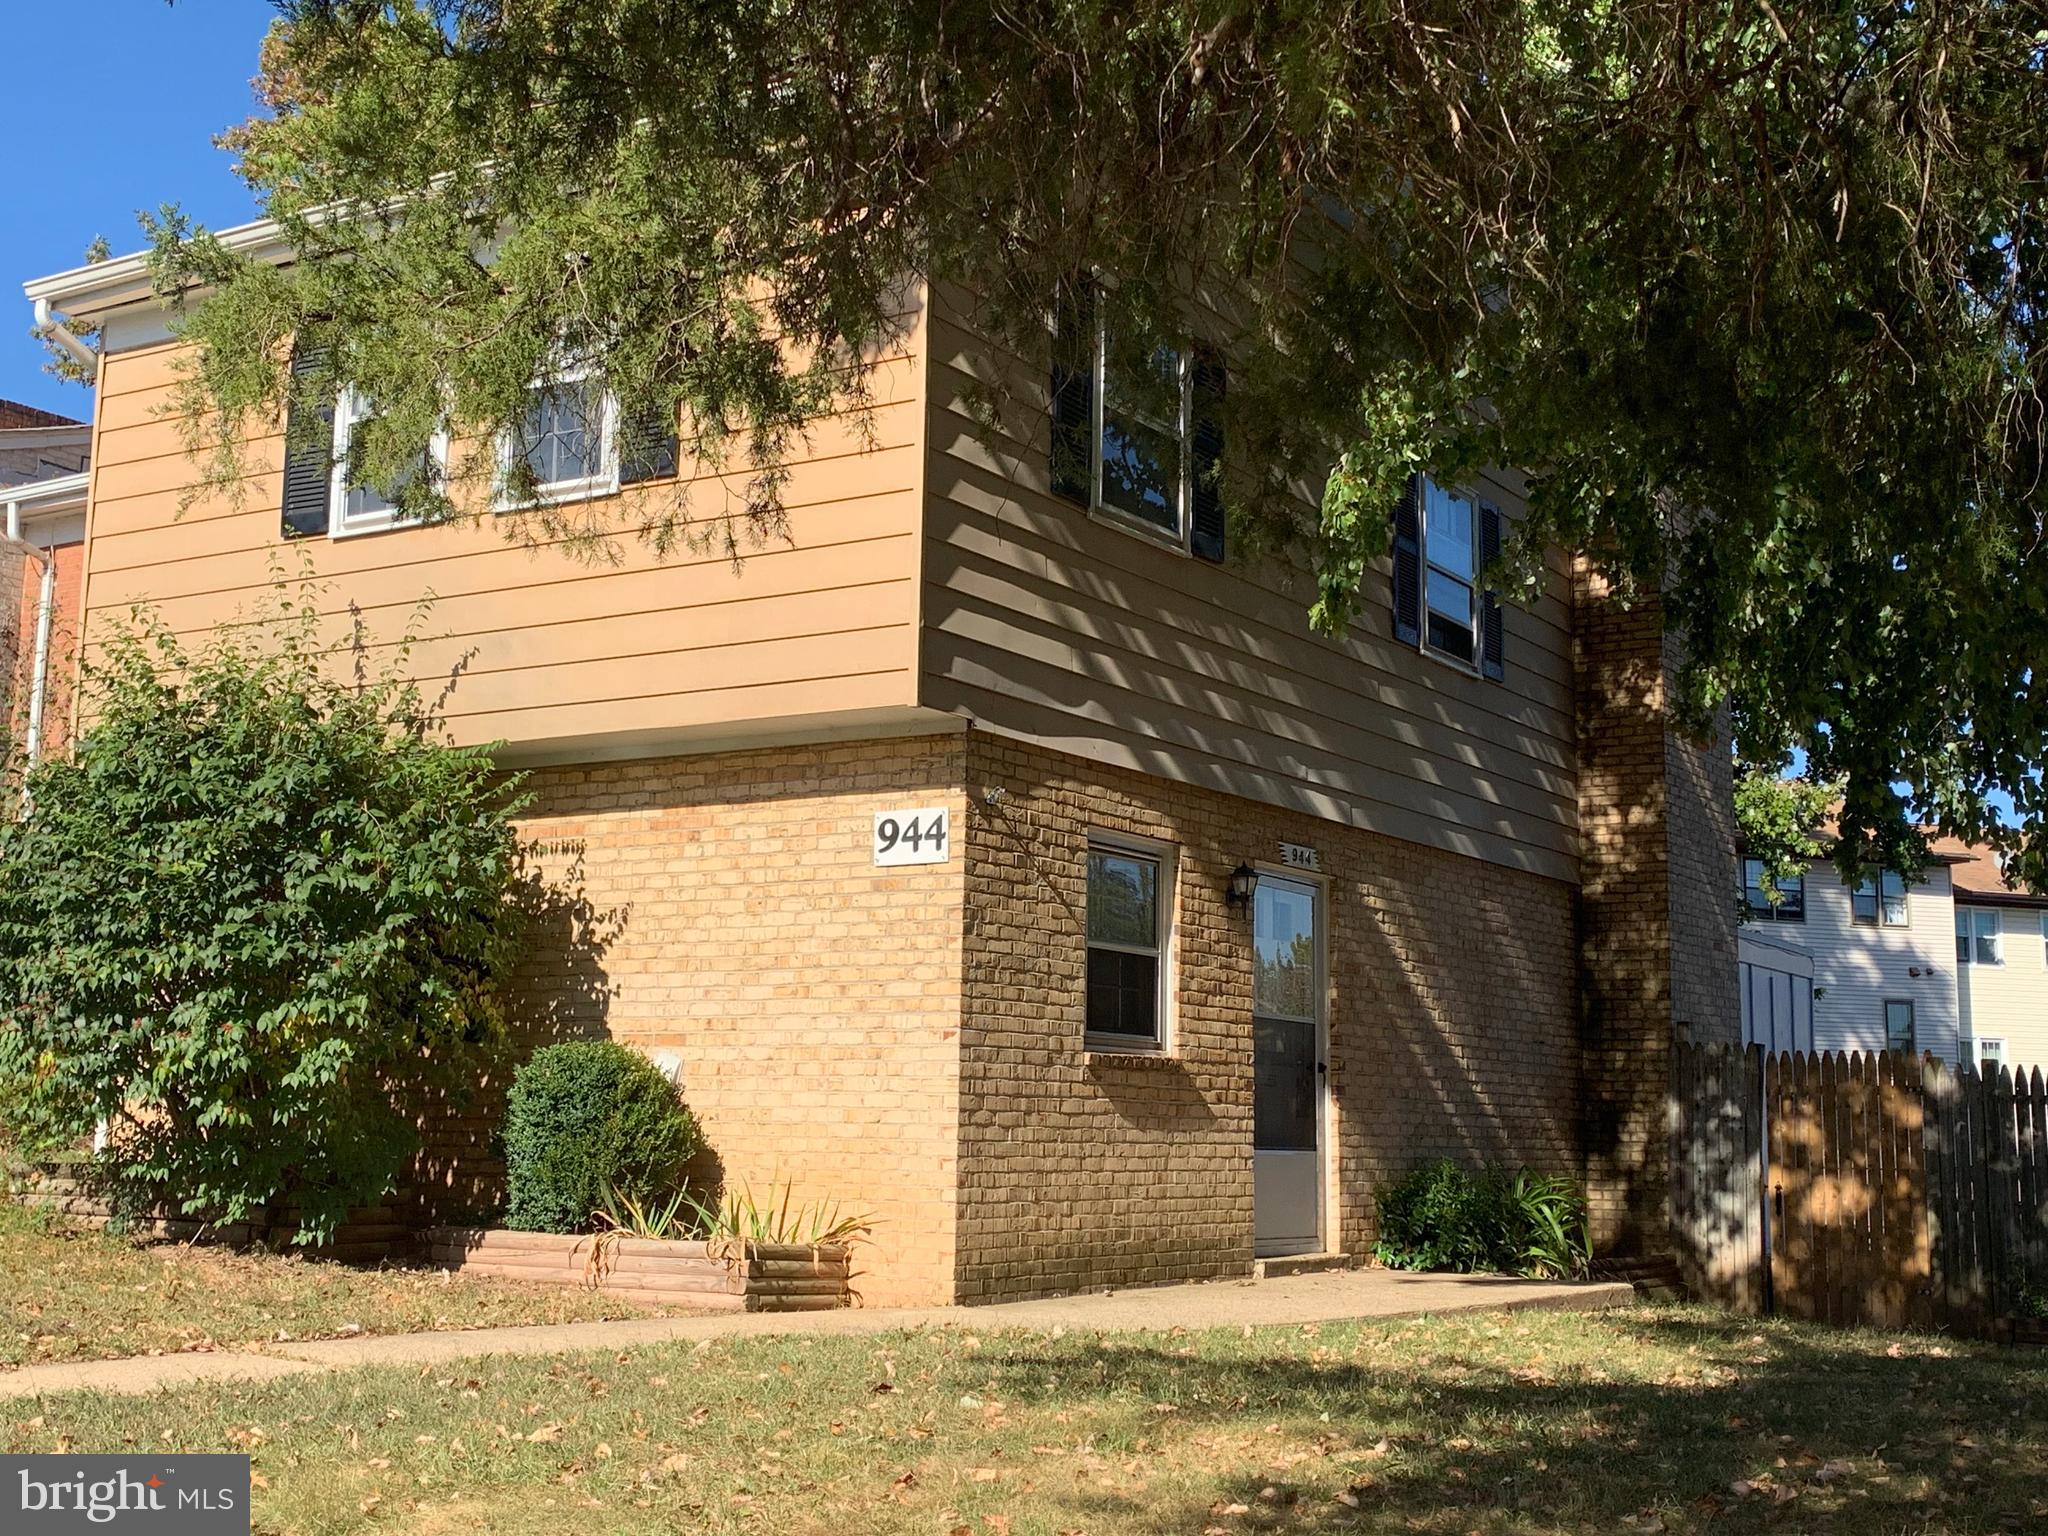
{"points": [[1858, 968], [1777, 992]]}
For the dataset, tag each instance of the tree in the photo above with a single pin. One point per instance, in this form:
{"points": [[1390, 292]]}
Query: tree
{"points": [[252, 923], [1752, 293], [1779, 822]]}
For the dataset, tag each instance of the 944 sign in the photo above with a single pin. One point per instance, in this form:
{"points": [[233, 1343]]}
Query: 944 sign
{"points": [[913, 837]]}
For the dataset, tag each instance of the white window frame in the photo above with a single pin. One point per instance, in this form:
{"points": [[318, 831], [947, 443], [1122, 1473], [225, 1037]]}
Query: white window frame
{"points": [[1778, 914], [1880, 917], [554, 493], [2044, 939], [1184, 433], [350, 408], [1969, 935], [1168, 859], [1996, 1043], [1426, 563]]}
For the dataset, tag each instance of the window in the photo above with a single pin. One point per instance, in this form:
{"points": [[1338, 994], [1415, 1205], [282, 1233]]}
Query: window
{"points": [[1129, 891], [2044, 938], [1136, 439], [1880, 897], [1443, 541], [576, 442], [1898, 1027], [1791, 905], [1980, 938], [1451, 573], [1142, 442], [362, 508], [1990, 1054]]}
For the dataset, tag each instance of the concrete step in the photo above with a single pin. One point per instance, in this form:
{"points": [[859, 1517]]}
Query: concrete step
{"points": [[1301, 1264]]}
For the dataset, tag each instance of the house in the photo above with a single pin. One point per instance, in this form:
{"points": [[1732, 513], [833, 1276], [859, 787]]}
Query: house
{"points": [[998, 855], [2001, 961], [1952, 962], [43, 459]]}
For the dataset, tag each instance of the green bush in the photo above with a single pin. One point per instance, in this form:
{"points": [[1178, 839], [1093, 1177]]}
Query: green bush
{"points": [[254, 923], [586, 1121], [1445, 1217]]}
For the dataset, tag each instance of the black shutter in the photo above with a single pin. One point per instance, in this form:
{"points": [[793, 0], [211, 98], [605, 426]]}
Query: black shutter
{"points": [[308, 455], [1073, 392], [1492, 658], [1205, 533], [1408, 564], [648, 444]]}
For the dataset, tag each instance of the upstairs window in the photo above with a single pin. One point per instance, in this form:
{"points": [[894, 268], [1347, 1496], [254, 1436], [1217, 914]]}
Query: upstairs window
{"points": [[1791, 903], [1880, 900], [1443, 542], [577, 441], [1136, 440], [1980, 937], [356, 507]]}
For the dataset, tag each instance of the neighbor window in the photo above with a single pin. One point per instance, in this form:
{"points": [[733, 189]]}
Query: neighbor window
{"points": [[1791, 904], [1980, 937], [364, 508], [1880, 898], [1898, 1027], [1128, 898], [2044, 938], [1990, 1053]]}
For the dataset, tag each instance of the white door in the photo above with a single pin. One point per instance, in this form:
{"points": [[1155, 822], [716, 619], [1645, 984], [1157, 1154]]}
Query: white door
{"points": [[1287, 1066]]}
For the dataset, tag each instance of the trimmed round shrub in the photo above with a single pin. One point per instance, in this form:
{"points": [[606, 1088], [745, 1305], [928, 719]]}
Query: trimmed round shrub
{"points": [[583, 1117]]}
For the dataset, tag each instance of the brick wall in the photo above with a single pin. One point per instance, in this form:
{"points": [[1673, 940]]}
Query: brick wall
{"points": [[723, 912], [1656, 909], [1453, 1030]]}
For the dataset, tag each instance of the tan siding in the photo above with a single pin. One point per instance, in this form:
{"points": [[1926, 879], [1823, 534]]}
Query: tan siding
{"points": [[2009, 1002], [545, 642], [1044, 623]]}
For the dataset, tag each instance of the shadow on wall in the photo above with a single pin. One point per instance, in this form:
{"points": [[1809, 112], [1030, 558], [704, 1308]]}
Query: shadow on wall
{"points": [[559, 990]]}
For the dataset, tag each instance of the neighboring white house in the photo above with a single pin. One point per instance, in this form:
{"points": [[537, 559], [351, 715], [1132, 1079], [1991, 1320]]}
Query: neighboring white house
{"points": [[1883, 956], [2001, 962]]}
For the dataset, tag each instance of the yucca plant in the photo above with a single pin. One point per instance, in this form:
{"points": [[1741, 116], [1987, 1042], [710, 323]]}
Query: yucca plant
{"points": [[739, 1220], [621, 1216]]}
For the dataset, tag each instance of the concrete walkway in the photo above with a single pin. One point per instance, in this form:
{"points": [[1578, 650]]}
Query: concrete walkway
{"points": [[1343, 1296]]}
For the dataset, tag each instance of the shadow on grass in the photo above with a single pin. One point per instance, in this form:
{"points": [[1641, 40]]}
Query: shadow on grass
{"points": [[1753, 1427]]}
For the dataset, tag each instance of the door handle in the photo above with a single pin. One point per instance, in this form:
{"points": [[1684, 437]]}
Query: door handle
{"points": [[1323, 1067]]}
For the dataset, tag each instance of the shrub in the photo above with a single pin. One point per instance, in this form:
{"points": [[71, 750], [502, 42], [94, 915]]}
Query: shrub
{"points": [[1445, 1217], [254, 921], [587, 1121]]}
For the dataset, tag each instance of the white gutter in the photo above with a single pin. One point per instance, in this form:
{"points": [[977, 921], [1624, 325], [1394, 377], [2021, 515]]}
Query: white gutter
{"points": [[50, 325]]}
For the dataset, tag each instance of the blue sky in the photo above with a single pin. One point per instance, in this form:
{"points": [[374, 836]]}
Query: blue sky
{"points": [[111, 106]]}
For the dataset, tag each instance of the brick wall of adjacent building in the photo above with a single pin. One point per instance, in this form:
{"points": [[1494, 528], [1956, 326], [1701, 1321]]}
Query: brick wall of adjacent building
{"points": [[1656, 917], [1453, 1030], [722, 912]]}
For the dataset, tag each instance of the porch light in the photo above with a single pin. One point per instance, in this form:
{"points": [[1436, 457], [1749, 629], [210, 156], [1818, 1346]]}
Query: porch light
{"points": [[1243, 881]]}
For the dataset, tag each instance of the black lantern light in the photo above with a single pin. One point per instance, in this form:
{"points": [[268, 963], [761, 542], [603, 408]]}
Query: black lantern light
{"points": [[1243, 881]]}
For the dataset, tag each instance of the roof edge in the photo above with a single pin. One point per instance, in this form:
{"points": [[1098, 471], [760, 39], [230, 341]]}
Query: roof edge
{"points": [[103, 285]]}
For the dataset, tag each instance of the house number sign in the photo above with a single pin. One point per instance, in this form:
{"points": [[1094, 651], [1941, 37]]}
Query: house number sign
{"points": [[923, 836], [1294, 856]]}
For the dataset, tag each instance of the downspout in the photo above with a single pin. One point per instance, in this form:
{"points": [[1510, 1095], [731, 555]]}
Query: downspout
{"points": [[46, 603], [52, 327]]}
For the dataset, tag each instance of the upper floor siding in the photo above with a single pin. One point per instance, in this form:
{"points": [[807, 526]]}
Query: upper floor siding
{"points": [[1045, 621], [557, 650], [924, 580]]}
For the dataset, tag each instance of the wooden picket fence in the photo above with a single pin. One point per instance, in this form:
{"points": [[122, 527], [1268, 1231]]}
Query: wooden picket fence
{"points": [[1883, 1190]]}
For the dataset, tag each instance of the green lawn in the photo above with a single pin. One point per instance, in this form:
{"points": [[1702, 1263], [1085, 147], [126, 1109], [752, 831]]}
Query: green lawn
{"points": [[1668, 1419], [79, 1295]]}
